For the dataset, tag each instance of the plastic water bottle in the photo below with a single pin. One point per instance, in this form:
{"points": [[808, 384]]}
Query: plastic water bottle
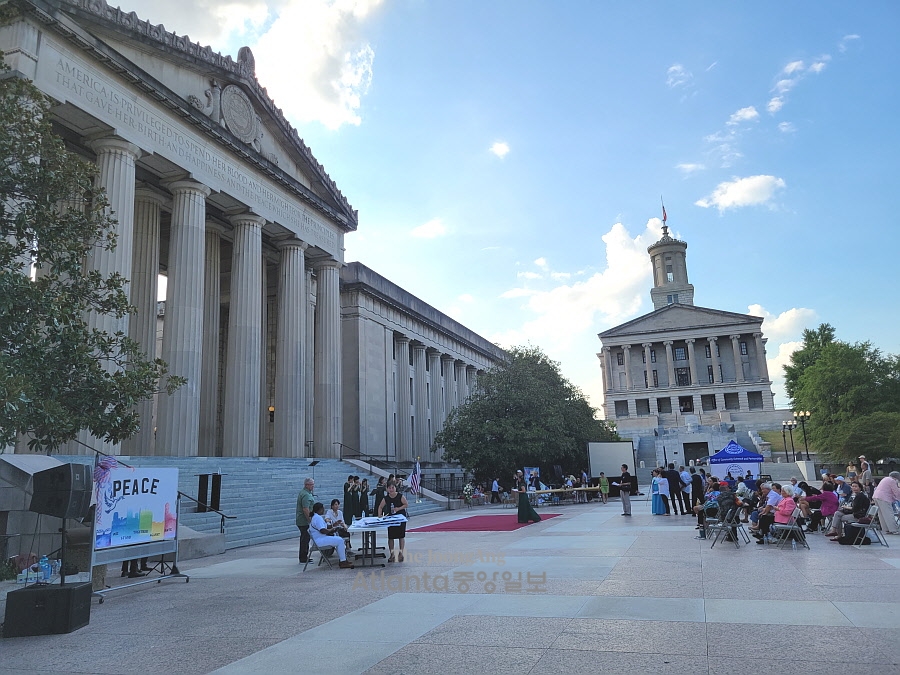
{"points": [[45, 568], [794, 544]]}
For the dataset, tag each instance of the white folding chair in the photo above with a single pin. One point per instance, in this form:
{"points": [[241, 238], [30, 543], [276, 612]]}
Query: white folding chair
{"points": [[790, 531]]}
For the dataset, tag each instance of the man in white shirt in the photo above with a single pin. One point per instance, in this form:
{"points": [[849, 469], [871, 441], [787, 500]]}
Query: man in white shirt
{"points": [[796, 489], [495, 491], [686, 490], [324, 536]]}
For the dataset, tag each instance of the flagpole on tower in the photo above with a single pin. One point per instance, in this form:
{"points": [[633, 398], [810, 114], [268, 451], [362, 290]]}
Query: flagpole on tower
{"points": [[664, 218]]}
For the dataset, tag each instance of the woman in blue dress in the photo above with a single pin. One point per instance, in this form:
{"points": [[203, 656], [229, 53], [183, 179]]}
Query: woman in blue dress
{"points": [[656, 502]]}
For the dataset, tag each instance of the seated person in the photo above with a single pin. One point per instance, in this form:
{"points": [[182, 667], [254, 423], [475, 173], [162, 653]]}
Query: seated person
{"points": [[745, 495], [728, 501], [334, 518], [770, 498], [818, 507], [325, 537], [709, 508], [850, 511]]}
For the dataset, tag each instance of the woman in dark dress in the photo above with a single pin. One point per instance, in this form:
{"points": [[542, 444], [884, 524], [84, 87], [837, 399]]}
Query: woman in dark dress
{"points": [[393, 504], [364, 498], [526, 510]]}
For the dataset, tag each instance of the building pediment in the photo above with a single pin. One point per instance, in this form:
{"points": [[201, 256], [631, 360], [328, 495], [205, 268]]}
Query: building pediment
{"points": [[680, 318], [220, 92]]}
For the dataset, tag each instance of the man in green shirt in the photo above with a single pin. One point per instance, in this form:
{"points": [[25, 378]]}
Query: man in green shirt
{"points": [[305, 501]]}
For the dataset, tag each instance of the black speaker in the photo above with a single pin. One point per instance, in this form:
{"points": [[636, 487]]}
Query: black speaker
{"points": [[63, 491], [47, 610]]}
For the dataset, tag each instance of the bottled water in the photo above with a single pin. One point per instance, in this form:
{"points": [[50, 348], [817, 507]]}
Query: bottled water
{"points": [[45, 568], [794, 544]]}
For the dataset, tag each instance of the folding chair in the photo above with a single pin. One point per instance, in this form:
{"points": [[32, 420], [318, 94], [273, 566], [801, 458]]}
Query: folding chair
{"points": [[726, 526], [789, 531], [323, 554], [874, 525]]}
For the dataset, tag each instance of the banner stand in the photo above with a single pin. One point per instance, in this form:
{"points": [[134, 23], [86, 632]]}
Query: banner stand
{"points": [[116, 554]]}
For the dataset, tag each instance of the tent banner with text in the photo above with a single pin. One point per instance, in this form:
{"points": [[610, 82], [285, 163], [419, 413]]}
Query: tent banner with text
{"points": [[135, 506]]}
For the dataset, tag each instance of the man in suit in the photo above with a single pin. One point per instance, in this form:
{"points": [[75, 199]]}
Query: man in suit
{"points": [[696, 488], [675, 487]]}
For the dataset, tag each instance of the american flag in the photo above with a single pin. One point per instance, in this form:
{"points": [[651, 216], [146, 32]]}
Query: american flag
{"points": [[414, 479]]}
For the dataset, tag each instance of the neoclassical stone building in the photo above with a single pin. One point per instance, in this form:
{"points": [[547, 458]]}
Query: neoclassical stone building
{"points": [[683, 366], [213, 188]]}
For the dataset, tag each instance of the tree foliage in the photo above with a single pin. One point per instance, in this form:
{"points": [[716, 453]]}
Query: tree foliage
{"points": [[59, 376], [853, 393], [524, 413]]}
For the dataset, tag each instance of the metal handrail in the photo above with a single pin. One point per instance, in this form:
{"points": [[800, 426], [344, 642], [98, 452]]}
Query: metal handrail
{"points": [[209, 508]]}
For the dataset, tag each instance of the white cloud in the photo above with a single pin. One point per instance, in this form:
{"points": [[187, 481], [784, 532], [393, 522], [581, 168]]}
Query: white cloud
{"points": [[431, 230], [678, 76], [743, 115], [788, 324], [559, 276], [819, 66], [739, 192], [786, 128], [846, 40], [776, 364], [711, 66], [784, 86], [542, 263], [690, 168], [529, 275], [500, 148], [775, 104], [793, 67], [517, 293]]}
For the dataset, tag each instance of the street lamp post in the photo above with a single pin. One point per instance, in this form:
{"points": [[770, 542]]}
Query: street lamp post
{"points": [[802, 416], [790, 426], [784, 440]]}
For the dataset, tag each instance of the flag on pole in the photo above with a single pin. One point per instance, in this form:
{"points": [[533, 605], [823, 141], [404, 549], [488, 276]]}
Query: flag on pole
{"points": [[664, 213], [415, 478]]}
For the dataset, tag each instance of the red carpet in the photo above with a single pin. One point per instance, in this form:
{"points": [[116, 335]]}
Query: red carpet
{"points": [[504, 523]]}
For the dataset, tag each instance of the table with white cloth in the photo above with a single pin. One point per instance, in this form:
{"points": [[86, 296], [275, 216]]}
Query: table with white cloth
{"points": [[369, 527]]}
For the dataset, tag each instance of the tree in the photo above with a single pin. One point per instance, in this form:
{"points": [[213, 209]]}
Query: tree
{"points": [[853, 392], [814, 341], [523, 413], [59, 376]]}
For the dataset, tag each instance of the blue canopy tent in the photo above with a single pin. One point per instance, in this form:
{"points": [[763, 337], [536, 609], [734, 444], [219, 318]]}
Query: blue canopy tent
{"points": [[735, 460]]}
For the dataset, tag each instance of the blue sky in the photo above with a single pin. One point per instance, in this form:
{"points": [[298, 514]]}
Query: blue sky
{"points": [[507, 157]]}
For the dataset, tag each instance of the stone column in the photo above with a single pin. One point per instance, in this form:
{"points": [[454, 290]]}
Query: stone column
{"points": [[309, 360], [629, 382], [449, 371], [263, 445], [327, 405], [461, 389], [209, 357], [115, 163], [437, 417], [692, 362], [470, 380], [670, 364], [648, 364], [404, 426], [242, 361], [713, 345], [604, 366], [761, 357], [178, 433], [290, 371], [736, 353], [144, 286], [420, 429]]}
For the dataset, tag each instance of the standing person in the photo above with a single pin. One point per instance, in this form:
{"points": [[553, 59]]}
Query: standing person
{"points": [[665, 493], [495, 491], [685, 493], [391, 505], [305, 503], [604, 487], [378, 494], [696, 488], [624, 486], [348, 499], [364, 498], [886, 493], [865, 476], [527, 513], [656, 502], [674, 479]]}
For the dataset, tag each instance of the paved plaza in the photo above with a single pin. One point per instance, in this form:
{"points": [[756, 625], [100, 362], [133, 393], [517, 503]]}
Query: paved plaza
{"points": [[588, 591]]}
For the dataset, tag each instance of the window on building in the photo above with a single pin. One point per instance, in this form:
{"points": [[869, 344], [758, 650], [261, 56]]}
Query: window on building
{"points": [[652, 356], [642, 406], [709, 371], [680, 354], [743, 349], [670, 277], [755, 400], [655, 378], [672, 299], [620, 358], [683, 377], [732, 401], [664, 405], [709, 351], [645, 378], [686, 404], [621, 408], [708, 402], [721, 375]]}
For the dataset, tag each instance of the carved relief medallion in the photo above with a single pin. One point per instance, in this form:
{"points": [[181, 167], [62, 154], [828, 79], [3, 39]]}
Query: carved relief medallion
{"points": [[239, 115]]}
